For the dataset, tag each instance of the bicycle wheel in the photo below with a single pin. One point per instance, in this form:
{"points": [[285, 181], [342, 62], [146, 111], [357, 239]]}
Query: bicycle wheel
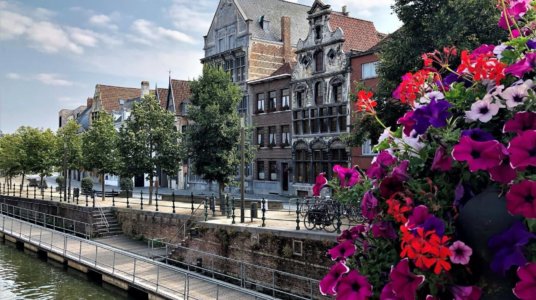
{"points": [[310, 219], [329, 219]]}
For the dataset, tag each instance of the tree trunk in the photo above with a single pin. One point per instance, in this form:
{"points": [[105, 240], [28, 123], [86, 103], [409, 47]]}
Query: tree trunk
{"points": [[150, 189], [69, 187], [221, 187], [22, 182], [41, 183], [102, 180]]}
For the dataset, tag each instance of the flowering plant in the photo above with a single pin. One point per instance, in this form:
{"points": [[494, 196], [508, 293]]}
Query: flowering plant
{"points": [[467, 128]]}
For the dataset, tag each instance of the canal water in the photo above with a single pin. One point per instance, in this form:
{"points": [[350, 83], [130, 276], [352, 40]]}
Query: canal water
{"points": [[25, 276]]}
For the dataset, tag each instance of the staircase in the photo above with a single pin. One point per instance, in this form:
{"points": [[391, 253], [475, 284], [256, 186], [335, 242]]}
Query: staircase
{"points": [[105, 222]]}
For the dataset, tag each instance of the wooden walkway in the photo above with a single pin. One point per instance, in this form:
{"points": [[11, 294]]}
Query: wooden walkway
{"points": [[122, 268]]}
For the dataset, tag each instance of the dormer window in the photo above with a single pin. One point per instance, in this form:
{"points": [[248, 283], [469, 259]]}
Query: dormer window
{"points": [[331, 54], [319, 61], [318, 32], [305, 60]]}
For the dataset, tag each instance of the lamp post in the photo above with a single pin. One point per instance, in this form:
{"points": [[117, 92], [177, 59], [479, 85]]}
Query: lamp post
{"points": [[242, 167], [64, 171]]}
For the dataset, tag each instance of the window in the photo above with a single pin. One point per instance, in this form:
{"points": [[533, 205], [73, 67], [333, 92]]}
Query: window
{"points": [[338, 156], [221, 44], [297, 127], [231, 41], [314, 121], [337, 92], [302, 166], [299, 99], [231, 69], [271, 136], [272, 168], [319, 61], [369, 70], [319, 93], [272, 101], [285, 99], [320, 161], [184, 109], [285, 135], [243, 105], [318, 32], [60, 122], [305, 60], [260, 136], [240, 68], [260, 170], [331, 54], [366, 148], [260, 103], [342, 123]]}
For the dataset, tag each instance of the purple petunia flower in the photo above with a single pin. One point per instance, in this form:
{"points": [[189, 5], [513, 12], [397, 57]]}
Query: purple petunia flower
{"points": [[404, 283], [369, 206], [516, 94], [531, 44], [348, 177], [389, 186], [521, 121], [478, 134], [434, 114], [354, 286], [442, 160], [330, 281], [401, 171], [418, 216], [508, 247], [522, 150], [525, 289], [383, 229], [380, 163], [436, 224], [342, 251], [389, 294], [503, 173], [407, 121], [478, 155], [522, 66], [320, 182], [466, 292], [461, 253], [521, 199], [352, 234], [482, 110]]}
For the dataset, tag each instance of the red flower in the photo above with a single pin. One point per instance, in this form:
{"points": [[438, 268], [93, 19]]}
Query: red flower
{"points": [[365, 102], [412, 86], [481, 66], [397, 211]]}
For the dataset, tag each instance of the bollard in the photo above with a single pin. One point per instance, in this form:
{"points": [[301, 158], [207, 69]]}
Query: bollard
{"points": [[173, 200], [69, 195], [113, 198], [93, 195], [42, 193], [206, 208], [60, 195], [27, 191], [86, 200], [339, 223], [227, 207], [51, 193], [156, 199], [141, 199], [8, 187], [192, 201], [263, 203], [20, 191], [233, 208], [128, 205], [34, 191], [298, 214], [213, 205]]}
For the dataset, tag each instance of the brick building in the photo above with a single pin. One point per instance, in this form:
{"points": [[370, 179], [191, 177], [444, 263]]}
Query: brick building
{"points": [[320, 87]]}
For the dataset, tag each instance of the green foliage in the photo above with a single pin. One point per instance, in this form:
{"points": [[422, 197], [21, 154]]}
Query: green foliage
{"points": [[69, 148], [37, 150], [10, 164], [126, 184], [99, 146], [60, 180], [87, 185], [212, 142]]}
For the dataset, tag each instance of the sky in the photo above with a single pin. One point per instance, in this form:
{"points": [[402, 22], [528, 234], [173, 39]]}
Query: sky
{"points": [[53, 53]]}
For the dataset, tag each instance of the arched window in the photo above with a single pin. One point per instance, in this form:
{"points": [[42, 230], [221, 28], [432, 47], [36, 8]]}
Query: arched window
{"points": [[319, 93], [320, 158], [302, 164], [319, 61], [336, 91]]}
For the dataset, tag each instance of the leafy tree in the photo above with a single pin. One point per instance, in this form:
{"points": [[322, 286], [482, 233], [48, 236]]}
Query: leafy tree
{"points": [[99, 147], [69, 148], [9, 156], [148, 140], [212, 142]]}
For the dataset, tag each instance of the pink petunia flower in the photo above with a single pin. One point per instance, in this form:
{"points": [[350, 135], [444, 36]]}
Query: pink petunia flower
{"points": [[478, 155], [503, 173], [348, 177], [320, 182], [442, 161], [352, 234], [342, 251], [521, 121], [466, 292], [522, 150], [404, 283], [461, 253], [354, 286], [369, 206], [525, 289], [482, 110], [330, 281], [389, 294], [521, 199]]}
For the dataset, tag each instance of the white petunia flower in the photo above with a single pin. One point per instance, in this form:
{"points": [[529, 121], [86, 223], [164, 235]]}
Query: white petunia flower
{"points": [[516, 94], [482, 110]]}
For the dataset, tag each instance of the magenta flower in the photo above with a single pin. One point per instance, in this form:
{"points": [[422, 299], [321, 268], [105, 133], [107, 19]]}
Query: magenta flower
{"points": [[407, 121], [369, 206], [461, 253], [478, 155], [522, 121], [389, 186], [378, 169], [352, 234], [401, 171], [503, 173], [525, 289], [522, 150], [389, 294], [354, 286], [466, 292], [418, 216], [522, 66], [508, 247], [521, 199], [348, 177], [482, 110], [383, 229], [403, 282], [329, 283], [442, 161], [320, 182], [342, 251]]}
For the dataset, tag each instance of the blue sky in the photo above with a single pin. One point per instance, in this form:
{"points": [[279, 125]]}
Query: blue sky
{"points": [[53, 53]]}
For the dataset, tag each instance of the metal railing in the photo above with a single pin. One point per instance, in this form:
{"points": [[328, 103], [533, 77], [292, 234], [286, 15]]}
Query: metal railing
{"points": [[170, 281]]}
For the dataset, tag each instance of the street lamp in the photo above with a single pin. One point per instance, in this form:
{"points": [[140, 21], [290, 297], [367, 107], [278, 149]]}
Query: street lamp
{"points": [[242, 167]]}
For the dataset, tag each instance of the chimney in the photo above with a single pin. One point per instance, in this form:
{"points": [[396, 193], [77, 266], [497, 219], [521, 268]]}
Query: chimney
{"points": [[144, 88], [285, 37], [89, 102], [344, 11]]}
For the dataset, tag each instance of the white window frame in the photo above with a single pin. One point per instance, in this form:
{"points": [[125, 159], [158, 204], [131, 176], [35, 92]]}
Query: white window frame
{"points": [[366, 149], [369, 70]]}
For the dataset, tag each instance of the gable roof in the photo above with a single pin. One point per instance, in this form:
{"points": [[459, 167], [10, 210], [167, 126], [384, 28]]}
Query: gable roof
{"points": [[359, 35], [110, 95], [273, 10], [180, 92]]}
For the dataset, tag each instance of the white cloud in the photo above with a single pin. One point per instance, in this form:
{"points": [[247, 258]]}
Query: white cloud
{"points": [[43, 13], [13, 25], [51, 38], [196, 18], [83, 37], [53, 79], [102, 21], [14, 76], [146, 32]]}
